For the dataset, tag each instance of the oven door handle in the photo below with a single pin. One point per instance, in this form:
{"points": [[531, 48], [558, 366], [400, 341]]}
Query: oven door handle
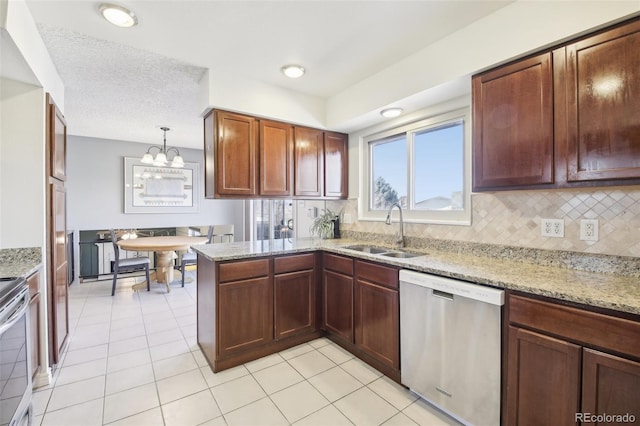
{"points": [[16, 315]]}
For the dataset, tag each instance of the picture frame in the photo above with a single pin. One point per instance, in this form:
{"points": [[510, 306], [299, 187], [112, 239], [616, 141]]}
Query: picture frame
{"points": [[160, 189]]}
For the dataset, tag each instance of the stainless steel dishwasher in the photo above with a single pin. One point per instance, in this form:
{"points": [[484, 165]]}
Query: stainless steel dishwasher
{"points": [[450, 345]]}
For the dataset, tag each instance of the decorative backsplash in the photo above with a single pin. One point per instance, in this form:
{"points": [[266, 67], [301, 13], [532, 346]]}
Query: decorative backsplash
{"points": [[513, 218]]}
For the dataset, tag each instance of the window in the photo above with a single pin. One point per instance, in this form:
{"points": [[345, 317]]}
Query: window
{"points": [[424, 167]]}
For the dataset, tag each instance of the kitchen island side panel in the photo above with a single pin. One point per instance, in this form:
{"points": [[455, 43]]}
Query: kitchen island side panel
{"points": [[207, 307]]}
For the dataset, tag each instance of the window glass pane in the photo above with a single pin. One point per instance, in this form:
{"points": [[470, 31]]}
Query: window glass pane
{"points": [[388, 172], [438, 168]]}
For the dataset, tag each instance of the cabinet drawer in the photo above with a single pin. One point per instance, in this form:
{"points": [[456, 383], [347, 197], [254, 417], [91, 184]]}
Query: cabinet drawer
{"points": [[299, 262], [235, 271], [590, 328], [341, 264], [377, 274]]}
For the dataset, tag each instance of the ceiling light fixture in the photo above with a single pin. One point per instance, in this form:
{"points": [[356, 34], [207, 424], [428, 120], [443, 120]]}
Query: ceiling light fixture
{"points": [[293, 71], [391, 112], [118, 15], [161, 157]]}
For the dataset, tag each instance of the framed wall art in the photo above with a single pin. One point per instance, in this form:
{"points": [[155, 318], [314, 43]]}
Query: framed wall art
{"points": [[160, 189]]}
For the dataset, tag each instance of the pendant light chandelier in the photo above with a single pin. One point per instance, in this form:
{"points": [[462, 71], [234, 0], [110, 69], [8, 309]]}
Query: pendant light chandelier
{"points": [[161, 157]]}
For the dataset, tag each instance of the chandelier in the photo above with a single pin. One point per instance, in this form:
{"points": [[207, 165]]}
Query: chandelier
{"points": [[161, 157]]}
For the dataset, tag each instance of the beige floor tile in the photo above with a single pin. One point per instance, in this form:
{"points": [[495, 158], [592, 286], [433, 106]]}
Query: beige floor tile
{"points": [[259, 413], [424, 413], [128, 345], [327, 416], [175, 365], [165, 336], [399, 420], [361, 371], [299, 401], [335, 353], [318, 343], [191, 410], [85, 414], [264, 362], [311, 363], [80, 356], [78, 372], [215, 379], [129, 378], [364, 407], [277, 377], [76, 393], [168, 350], [181, 385], [151, 417], [397, 395], [128, 360], [40, 400], [296, 350], [127, 403], [335, 383], [237, 393]]}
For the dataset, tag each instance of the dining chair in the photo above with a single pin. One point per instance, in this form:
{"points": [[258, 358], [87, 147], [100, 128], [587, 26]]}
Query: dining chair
{"points": [[133, 264], [191, 258]]}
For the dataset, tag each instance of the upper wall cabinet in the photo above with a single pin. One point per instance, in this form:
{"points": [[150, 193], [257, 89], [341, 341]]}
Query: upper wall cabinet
{"points": [[248, 157], [563, 118]]}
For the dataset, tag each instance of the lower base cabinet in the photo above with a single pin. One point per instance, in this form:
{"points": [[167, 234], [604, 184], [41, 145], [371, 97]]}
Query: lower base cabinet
{"points": [[555, 374]]}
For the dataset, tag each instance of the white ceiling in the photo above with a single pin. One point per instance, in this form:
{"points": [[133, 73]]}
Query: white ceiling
{"points": [[124, 84]]}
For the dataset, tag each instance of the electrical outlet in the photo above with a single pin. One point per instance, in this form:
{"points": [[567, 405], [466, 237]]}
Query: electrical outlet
{"points": [[589, 229], [552, 228]]}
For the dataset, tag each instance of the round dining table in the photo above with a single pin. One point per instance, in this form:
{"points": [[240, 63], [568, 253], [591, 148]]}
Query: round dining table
{"points": [[164, 247]]}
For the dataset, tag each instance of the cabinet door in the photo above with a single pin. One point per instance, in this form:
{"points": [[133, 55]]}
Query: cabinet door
{"points": [[294, 301], [236, 140], [513, 125], [543, 379], [58, 287], [209, 156], [245, 314], [276, 163], [308, 162], [338, 305], [610, 384], [58, 142], [336, 168], [377, 328], [603, 100]]}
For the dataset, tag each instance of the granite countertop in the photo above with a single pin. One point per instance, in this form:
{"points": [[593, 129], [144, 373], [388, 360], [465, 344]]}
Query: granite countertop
{"points": [[19, 262], [604, 290]]}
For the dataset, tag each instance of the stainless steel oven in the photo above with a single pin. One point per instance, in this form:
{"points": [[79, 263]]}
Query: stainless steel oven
{"points": [[15, 367]]}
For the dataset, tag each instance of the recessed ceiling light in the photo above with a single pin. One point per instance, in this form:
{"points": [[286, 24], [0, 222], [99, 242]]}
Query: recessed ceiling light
{"points": [[391, 112], [118, 15], [292, 71]]}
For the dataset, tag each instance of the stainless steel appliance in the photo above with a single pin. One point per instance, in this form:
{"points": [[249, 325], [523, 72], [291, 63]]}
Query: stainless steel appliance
{"points": [[15, 360], [450, 345]]}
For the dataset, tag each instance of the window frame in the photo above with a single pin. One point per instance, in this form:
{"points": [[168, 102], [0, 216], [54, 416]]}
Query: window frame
{"points": [[446, 217]]}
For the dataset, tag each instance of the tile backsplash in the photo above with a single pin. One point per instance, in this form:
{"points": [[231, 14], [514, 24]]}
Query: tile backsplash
{"points": [[513, 218]]}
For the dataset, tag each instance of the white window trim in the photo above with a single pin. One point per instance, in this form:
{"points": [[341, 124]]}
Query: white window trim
{"points": [[460, 217]]}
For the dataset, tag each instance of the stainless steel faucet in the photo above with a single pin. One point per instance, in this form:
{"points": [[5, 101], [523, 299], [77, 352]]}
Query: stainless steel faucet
{"points": [[400, 240]]}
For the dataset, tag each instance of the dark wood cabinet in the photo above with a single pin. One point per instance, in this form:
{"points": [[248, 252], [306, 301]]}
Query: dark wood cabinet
{"points": [[209, 156], [245, 294], [276, 158], [513, 125], [308, 162], [568, 361], [336, 167], [294, 295], [33, 281], [377, 312], [235, 145], [543, 384], [603, 104], [566, 117], [337, 288]]}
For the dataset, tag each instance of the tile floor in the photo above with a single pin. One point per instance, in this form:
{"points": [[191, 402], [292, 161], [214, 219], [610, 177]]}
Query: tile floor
{"points": [[133, 360]]}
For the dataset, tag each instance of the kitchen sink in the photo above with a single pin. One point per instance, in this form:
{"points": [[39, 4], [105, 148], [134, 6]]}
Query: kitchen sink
{"points": [[386, 252], [368, 249], [401, 254]]}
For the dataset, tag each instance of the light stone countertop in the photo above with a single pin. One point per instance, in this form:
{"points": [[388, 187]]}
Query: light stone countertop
{"points": [[19, 262], [604, 290]]}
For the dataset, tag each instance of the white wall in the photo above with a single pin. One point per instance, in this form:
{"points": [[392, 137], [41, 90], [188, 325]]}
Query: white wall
{"points": [[95, 198], [22, 190]]}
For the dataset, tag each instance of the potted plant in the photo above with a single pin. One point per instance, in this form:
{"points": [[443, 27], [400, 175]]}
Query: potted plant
{"points": [[323, 224]]}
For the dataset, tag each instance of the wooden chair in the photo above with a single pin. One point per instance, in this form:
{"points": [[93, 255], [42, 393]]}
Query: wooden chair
{"points": [[191, 258], [127, 265]]}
